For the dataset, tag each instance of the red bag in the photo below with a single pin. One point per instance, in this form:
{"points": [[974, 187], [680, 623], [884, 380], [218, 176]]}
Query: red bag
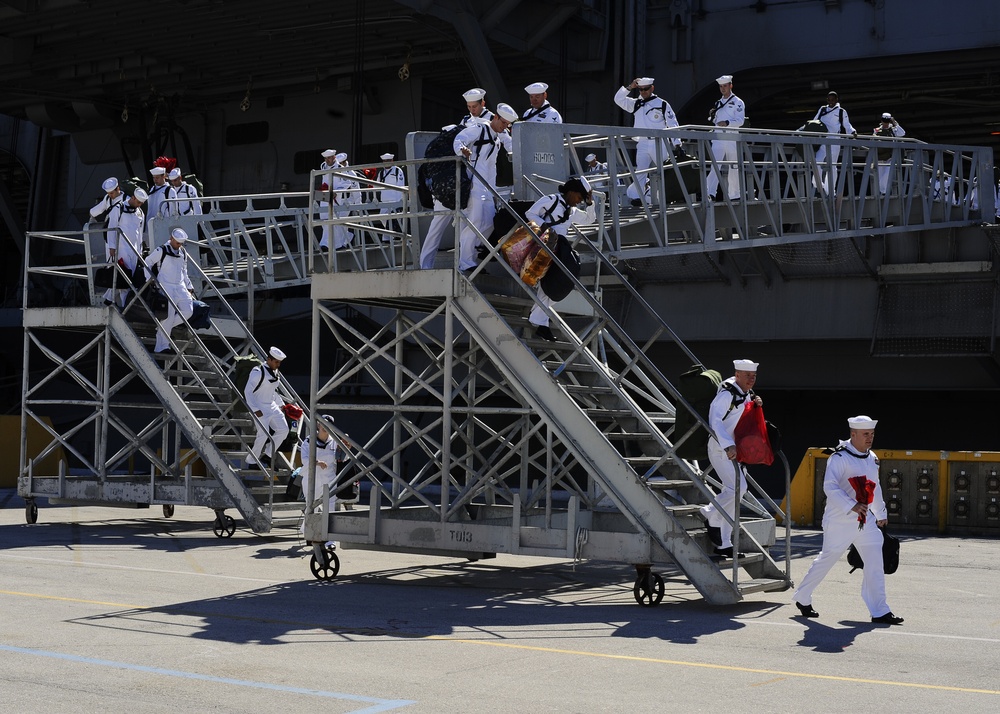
{"points": [[750, 435]]}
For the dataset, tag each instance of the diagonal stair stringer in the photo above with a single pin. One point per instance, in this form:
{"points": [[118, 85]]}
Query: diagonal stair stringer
{"points": [[589, 445], [255, 515]]}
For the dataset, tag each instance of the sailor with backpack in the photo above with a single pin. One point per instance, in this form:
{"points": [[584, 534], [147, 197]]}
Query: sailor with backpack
{"points": [[261, 396], [168, 264], [723, 416], [836, 121]]}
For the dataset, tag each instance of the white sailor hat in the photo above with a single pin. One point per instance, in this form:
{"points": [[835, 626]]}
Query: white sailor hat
{"points": [[862, 422], [179, 235], [724, 79], [644, 81], [174, 174], [590, 157], [387, 156], [277, 354], [110, 184], [886, 116], [157, 171], [475, 94], [537, 88], [745, 365], [328, 153], [140, 195], [507, 112], [586, 184], [341, 157]]}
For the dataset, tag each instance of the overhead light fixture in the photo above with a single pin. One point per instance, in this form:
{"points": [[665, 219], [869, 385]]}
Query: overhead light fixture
{"points": [[820, 84]]}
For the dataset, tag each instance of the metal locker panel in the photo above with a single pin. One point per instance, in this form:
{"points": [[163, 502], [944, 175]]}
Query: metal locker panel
{"points": [[963, 494]]}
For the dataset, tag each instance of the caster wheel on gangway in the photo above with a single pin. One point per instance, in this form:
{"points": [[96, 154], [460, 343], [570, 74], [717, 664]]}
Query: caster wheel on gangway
{"points": [[224, 526], [31, 512], [648, 588], [326, 565], [168, 510]]}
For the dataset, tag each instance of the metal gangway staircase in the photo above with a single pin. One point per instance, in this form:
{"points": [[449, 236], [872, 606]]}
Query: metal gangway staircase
{"points": [[486, 439]]}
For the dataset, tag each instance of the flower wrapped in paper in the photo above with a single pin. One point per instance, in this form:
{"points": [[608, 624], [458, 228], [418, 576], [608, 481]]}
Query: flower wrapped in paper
{"points": [[864, 492]]}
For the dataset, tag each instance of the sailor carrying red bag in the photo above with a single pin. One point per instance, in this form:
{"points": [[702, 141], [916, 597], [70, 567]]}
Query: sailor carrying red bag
{"points": [[753, 446]]}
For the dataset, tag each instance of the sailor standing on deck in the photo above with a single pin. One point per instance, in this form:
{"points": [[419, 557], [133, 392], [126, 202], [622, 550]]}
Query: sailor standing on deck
{"points": [[390, 199], [836, 121], [728, 112], [155, 205], [326, 455], [649, 112], [261, 396], [480, 144], [188, 205], [101, 212], [329, 163], [125, 225], [475, 102], [540, 110]]}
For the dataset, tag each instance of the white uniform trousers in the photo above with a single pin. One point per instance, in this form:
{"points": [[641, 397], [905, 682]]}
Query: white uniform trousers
{"points": [[538, 316], [274, 421], [883, 177], [130, 259], [432, 240], [176, 295], [324, 477], [724, 151], [726, 470], [830, 182], [645, 156], [838, 534], [478, 213]]}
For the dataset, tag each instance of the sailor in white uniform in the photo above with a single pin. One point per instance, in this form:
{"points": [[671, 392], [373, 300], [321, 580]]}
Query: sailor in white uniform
{"points": [[391, 199], [649, 112], [480, 144], [727, 113], [890, 129], [847, 520], [156, 207], [325, 455], [101, 212], [475, 102], [328, 164], [345, 196], [261, 396], [835, 118], [125, 227], [188, 205], [540, 110], [557, 212], [723, 415], [169, 264]]}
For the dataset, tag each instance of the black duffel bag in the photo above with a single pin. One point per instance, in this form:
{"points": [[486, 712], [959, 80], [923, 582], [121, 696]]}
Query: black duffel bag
{"points": [[890, 554]]}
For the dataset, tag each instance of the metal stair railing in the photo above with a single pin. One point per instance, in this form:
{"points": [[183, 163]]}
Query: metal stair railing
{"points": [[780, 199], [638, 378], [195, 358]]}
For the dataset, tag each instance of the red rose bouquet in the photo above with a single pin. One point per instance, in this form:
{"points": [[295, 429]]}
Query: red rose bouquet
{"points": [[864, 491]]}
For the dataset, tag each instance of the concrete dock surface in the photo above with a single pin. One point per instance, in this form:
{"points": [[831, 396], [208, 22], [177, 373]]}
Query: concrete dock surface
{"points": [[109, 609]]}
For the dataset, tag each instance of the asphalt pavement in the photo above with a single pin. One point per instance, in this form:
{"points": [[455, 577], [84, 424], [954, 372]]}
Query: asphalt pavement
{"points": [[107, 609]]}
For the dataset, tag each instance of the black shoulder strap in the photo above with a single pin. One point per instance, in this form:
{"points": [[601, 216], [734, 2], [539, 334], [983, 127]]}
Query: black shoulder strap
{"points": [[738, 398], [535, 112], [262, 368]]}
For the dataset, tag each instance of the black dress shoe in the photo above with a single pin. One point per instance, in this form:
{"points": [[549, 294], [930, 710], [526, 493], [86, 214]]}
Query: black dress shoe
{"points": [[545, 332], [806, 610], [888, 619], [725, 552], [265, 460]]}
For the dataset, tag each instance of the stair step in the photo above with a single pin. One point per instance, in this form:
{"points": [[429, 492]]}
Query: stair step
{"points": [[669, 484], [588, 389], [763, 585]]}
